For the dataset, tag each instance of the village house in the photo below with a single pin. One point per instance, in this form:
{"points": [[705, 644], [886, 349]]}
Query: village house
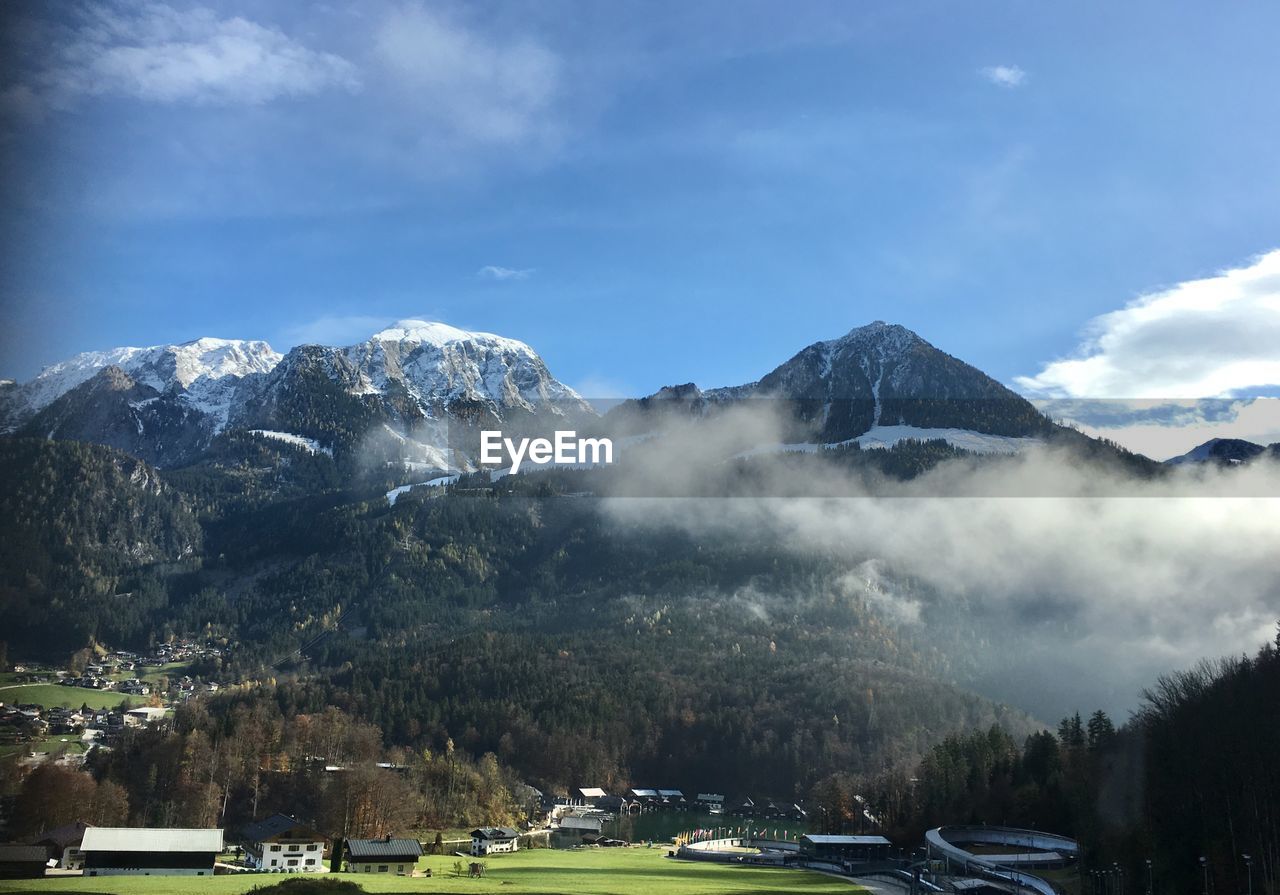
{"points": [[494, 840], [713, 802], [672, 798], [586, 796], [124, 851], [142, 717], [283, 843], [617, 804], [387, 855]]}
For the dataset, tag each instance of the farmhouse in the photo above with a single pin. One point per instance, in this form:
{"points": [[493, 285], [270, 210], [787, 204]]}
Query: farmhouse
{"points": [[844, 848], [22, 861], [62, 844], [494, 840], [283, 842], [143, 716], [125, 851], [572, 823], [383, 855]]}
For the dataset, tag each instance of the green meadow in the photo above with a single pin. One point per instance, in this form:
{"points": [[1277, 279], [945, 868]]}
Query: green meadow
{"points": [[621, 871]]}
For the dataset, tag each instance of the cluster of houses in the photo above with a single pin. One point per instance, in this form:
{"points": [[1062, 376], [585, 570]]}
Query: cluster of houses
{"points": [[592, 799], [105, 673], [26, 722], [278, 844]]}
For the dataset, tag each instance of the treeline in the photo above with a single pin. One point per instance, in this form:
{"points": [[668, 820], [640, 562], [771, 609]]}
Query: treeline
{"points": [[234, 759], [89, 538], [578, 648], [1195, 774]]}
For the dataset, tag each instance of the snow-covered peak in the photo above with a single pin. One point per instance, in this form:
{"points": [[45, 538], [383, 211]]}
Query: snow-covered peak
{"points": [[888, 337], [216, 358], [162, 367], [428, 332], [439, 365]]}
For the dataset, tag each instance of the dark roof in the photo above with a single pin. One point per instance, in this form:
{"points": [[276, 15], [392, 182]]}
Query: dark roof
{"points": [[23, 854], [818, 839], [61, 837], [495, 833], [276, 825], [383, 848]]}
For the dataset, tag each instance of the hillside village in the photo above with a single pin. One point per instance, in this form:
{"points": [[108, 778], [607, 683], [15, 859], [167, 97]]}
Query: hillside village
{"points": [[62, 714]]}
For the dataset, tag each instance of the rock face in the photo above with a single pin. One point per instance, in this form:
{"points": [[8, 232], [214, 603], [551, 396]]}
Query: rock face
{"points": [[879, 380]]}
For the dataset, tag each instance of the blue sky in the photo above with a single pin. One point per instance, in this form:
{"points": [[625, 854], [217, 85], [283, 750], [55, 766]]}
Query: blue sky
{"points": [[654, 193]]}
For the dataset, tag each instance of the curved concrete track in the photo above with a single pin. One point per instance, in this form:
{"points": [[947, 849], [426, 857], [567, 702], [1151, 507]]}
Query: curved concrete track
{"points": [[1028, 848]]}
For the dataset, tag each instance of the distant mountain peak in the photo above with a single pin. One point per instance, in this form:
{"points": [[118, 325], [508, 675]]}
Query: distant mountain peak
{"points": [[892, 335], [1222, 451], [430, 332]]}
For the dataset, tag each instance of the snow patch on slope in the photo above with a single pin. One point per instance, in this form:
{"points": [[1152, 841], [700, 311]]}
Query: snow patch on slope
{"points": [[885, 437], [394, 494], [310, 445], [965, 439]]}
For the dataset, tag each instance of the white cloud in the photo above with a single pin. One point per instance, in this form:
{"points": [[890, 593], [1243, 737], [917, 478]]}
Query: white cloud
{"points": [[157, 53], [474, 86], [1080, 584], [1004, 75], [1164, 429], [335, 330], [1213, 337], [494, 272]]}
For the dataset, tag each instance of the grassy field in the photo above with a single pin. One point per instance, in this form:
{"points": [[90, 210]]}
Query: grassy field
{"points": [[53, 695], [622, 871]]}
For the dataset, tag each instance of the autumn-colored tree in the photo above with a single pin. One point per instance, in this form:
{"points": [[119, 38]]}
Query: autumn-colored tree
{"points": [[51, 796]]}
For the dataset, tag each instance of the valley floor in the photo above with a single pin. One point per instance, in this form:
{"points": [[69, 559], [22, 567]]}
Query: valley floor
{"points": [[620, 871]]}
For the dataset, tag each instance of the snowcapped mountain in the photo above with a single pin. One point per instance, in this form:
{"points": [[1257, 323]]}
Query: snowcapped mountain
{"points": [[877, 385], [410, 388], [202, 373], [441, 366]]}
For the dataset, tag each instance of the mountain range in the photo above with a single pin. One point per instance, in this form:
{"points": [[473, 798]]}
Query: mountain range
{"points": [[168, 404], [412, 393], [466, 615]]}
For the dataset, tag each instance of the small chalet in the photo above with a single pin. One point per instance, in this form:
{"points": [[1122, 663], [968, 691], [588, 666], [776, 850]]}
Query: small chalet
{"points": [[387, 855], [127, 851], [22, 861], [282, 842], [494, 840]]}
